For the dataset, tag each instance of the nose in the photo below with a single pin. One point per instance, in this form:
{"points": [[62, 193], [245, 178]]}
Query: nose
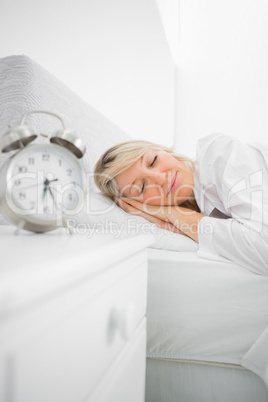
{"points": [[158, 178]]}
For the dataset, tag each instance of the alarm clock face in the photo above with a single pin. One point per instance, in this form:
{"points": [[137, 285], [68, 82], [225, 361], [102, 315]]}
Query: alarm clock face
{"points": [[45, 184]]}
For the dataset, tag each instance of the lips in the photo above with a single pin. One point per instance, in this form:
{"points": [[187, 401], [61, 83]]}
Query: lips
{"points": [[174, 183]]}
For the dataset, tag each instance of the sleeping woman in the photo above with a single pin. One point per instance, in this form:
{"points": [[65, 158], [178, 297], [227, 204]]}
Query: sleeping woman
{"points": [[220, 199]]}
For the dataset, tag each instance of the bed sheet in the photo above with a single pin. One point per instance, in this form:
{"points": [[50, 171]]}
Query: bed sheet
{"points": [[205, 310]]}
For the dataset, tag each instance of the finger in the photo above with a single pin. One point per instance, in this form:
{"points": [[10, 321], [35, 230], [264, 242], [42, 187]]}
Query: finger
{"points": [[170, 227], [162, 224], [166, 225], [120, 203], [129, 208], [132, 202], [150, 218], [156, 210]]}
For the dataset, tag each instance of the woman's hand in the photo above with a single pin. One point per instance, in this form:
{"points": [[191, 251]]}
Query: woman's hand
{"points": [[184, 219], [138, 210]]}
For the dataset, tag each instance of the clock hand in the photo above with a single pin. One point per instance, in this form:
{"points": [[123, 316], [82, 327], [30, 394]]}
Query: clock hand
{"points": [[49, 189], [57, 190], [47, 182], [26, 188], [54, 202], [46, 187], [44, 191]]}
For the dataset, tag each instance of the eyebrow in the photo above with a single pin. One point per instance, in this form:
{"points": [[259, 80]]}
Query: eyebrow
{"points": [[135, 180]]}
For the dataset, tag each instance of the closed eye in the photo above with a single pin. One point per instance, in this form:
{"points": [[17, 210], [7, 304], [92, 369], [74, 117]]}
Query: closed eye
{"points": [[153, 161], [143, 185], [142, 189]]}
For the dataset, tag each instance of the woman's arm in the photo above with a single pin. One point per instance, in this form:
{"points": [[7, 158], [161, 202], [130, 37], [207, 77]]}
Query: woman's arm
{"points": [[234, 175], [186, 220], [183, 219], [230, 240]]}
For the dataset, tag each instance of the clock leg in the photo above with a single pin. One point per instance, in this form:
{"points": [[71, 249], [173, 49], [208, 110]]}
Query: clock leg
{"points": [[66, 225], [19, 227]]}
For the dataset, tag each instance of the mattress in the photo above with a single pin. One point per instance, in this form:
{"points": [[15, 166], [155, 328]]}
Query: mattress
{"points": [[202, 310], [172, 381]]}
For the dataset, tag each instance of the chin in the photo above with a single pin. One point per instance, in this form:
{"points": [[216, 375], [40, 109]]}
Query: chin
{"points": [[180, 200]]}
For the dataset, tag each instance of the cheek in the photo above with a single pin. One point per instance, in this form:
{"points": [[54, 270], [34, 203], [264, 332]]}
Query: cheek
{"points": [[153, 196], [186, 187]]}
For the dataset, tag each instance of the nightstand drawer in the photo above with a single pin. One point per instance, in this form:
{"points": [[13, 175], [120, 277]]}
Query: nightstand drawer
{"points": [[120, 382], [64, 363]]}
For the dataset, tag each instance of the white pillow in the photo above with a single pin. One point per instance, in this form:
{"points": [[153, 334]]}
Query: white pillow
{"points": [[26, 86], [103, 216]]}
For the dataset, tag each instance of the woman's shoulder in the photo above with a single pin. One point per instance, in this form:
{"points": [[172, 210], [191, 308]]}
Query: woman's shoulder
{"points": [[222, 158], [215, 144], [219, 146]]}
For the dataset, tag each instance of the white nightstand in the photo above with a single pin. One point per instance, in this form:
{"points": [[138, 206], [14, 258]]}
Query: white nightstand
{"points": [[72, 317]]}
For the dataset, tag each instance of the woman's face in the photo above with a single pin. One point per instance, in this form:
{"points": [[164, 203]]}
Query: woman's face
{"points": [[157, 178]]}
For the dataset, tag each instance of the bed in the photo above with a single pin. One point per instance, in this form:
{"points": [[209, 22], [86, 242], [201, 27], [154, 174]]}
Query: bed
{"points": [[203, 317], [207, 321]]}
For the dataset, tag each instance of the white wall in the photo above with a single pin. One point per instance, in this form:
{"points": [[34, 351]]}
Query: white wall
{"points": [[113, 53], [169, 11], [223, 70]]}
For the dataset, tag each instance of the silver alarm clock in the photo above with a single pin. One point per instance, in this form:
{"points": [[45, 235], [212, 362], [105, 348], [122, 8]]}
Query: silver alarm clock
{"points": [[41, 184]]}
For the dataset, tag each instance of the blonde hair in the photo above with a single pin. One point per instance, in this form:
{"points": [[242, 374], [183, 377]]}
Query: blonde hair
{"points": [[120, 157]]}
